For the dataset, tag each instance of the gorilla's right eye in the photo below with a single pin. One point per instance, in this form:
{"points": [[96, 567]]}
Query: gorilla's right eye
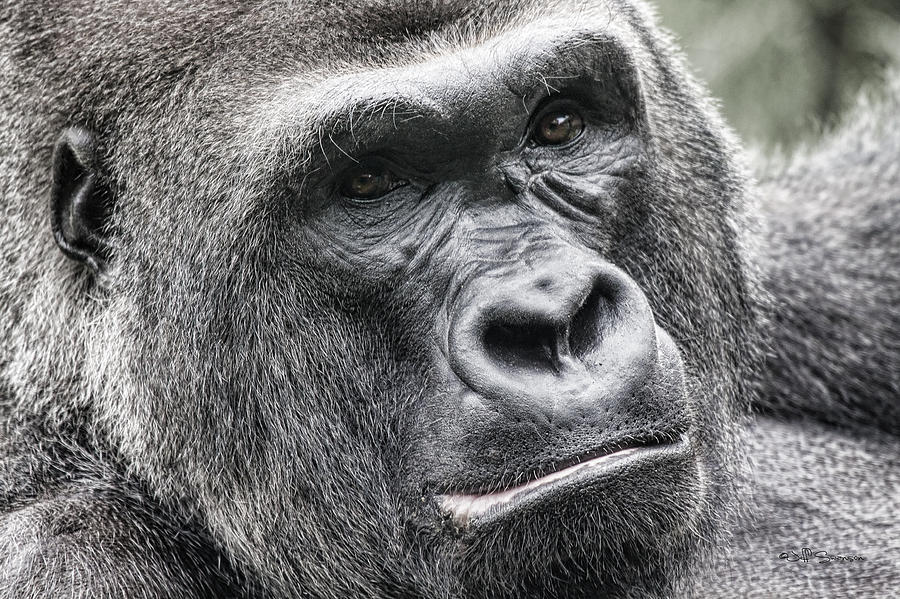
{"points": [[558, 126], [368, 181]]}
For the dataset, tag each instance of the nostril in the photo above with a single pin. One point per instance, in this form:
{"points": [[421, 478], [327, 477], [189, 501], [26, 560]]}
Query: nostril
{"points": [[538, 342], [591, 319], [528, 346]]}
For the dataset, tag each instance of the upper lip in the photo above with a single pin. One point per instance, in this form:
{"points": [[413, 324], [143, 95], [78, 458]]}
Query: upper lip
{"points": [[466, 505]]}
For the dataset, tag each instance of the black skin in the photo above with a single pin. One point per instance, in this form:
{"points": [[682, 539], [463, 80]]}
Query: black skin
{"points": [[286, 317]]}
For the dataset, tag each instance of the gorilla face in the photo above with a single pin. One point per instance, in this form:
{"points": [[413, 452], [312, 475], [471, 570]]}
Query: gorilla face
{"points": [[546, 390], [474, 319]]}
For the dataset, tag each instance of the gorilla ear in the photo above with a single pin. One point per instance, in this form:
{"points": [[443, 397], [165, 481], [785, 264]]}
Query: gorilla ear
{"points": [[80, 203]]}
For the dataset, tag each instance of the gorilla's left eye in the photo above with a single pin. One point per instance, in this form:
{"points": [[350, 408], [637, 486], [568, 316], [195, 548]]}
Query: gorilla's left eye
{"points": [[368, 181], [558, 126]]}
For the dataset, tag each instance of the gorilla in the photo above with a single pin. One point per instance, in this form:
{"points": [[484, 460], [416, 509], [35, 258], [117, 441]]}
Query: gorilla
{"points": [[431, 299]]}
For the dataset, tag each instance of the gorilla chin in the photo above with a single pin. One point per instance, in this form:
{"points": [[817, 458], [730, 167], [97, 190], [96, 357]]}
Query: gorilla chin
{"points": [[572, 536]]}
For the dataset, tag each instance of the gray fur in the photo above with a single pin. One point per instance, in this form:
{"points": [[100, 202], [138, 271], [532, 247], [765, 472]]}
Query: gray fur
{"points": [[817, 488], [179, 424], [826, 457], [831, 258]]}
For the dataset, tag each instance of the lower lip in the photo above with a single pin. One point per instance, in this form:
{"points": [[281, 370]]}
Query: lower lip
{"points": [[467, 508]]}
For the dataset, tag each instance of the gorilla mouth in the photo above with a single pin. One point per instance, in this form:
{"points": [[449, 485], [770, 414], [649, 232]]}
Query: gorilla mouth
{"points": [[465, 508]]}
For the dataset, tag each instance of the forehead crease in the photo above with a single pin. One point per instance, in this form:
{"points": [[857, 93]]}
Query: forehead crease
{"points": [[308, 108]]}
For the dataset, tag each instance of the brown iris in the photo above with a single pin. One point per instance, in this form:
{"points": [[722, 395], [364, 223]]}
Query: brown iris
{"points": [[367, 182], [558, 127]]}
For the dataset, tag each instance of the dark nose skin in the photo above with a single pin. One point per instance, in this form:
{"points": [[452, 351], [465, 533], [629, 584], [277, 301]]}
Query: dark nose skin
{"points": [[556, 338]]}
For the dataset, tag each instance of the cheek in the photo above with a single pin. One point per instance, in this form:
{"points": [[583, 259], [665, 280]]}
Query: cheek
{"points": [[396, 242], [612, 151]]}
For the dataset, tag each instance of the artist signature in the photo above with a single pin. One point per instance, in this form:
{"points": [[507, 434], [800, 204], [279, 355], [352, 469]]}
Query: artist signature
{"points": [[822, 557]]}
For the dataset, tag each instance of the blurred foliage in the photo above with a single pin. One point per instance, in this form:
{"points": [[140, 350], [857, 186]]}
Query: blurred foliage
{"points": [[785, 68]]}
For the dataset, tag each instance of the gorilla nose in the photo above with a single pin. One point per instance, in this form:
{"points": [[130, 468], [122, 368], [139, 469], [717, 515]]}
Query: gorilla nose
{"points": [[558, 338]]}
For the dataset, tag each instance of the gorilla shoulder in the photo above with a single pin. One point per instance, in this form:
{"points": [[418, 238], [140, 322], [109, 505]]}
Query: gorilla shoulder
{"points": [[73, 527], [830, 262], [825, 446]]}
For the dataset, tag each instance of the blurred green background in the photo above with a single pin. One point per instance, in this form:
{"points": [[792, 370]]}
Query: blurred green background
{"points": [[785, 68]]}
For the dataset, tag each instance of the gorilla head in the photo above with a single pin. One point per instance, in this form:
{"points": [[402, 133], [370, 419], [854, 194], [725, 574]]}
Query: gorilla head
{"points": [[396, 299]]}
